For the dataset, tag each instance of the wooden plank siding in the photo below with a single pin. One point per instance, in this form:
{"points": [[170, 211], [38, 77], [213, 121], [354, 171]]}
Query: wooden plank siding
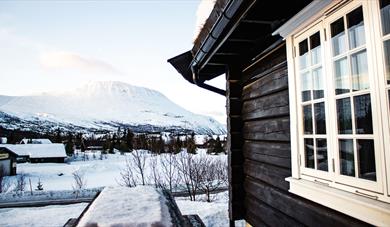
{"points": [[265, 140]]}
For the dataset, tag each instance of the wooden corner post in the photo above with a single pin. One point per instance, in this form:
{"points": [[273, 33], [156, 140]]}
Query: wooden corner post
{"points": [[235, 143]]}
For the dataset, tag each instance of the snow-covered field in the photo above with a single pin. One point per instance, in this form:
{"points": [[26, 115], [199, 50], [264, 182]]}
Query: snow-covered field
{"points": [[98, 173], [48, 216]]}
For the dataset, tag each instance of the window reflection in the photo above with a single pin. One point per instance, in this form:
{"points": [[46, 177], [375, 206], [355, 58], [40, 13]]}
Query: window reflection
{"points": [[356, 28], [363, 116], [344, 118], [338, 37], [315, 47], [322, 155], [385, 15], [319, 116], [307, 120], [318, 84], [347, 163], [303, 54], [306, 86], [309, 153], [387, 59], [341, 76], [360, 71], [366, 154]]}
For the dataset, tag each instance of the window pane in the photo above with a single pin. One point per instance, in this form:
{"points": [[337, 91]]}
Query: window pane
{"points": [[387, 59], [315, 47], [344, 119], [341, 76], [385, 15], [338, 37], [319, 113], [303, 54], [322, 155], [356, 28], [363, 116], [366, 154], [318, 83], [359, 71], [307, 120], [309, 153], [306, 86], [347, 163]]}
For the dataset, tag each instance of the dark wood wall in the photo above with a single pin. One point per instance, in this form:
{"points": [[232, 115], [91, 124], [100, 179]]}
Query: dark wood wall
{"points": [[260, 156]]}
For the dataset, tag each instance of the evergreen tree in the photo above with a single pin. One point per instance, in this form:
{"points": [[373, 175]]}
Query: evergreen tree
{"points": [[218, 146], [177, 144], [69, 146], [112, 144], [58, 138], [161, 145], [39, 185], [191, 145], [129, 139]]}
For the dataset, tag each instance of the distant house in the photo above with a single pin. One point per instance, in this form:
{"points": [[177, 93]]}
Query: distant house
{"points": [[3, 140], [36, 153], [7, 162], [35, 141]]}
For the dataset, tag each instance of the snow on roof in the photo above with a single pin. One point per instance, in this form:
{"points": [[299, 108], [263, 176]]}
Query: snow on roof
{"points": [[123, 206], [3, 139], [54, 150], [36, 141]]}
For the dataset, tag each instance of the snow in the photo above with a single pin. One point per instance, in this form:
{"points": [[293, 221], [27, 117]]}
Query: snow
{"points": [[47, 216], [35, 141], [57, 182], [99, 105], [139, 206], [54, 150]]}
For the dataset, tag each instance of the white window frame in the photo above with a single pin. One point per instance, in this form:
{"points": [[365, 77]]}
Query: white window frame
{"points": [[367, 201]]}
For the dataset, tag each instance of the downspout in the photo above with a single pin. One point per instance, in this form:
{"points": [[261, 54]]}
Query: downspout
{"points": [[195, 80]]}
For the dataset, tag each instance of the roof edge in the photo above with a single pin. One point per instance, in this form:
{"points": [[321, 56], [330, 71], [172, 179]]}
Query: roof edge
{"points": [[300, 18]]}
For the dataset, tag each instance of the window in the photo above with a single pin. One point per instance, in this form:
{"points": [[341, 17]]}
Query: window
{"points": [[339, 99]]}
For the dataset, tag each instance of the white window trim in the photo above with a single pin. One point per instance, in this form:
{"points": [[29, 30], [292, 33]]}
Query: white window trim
{"points": [[359, 207], [360, 204]]}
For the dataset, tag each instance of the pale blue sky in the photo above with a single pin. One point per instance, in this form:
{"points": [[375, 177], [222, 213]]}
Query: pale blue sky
{"points": [[58, 45]]}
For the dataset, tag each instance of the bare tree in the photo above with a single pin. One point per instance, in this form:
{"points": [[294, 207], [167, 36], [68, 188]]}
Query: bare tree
{"points": [[127, 175], [155, 174], [4, 182], [189, 173], [169, 170], [213, 175], [79, 180], [20, 183], [139, 160]]}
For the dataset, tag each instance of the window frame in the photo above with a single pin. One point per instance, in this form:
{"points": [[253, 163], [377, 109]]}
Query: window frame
{"points": [[362, 187]]}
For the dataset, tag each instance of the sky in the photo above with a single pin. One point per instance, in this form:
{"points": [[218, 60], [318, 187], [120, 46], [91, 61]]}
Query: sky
{"points": [[62, 44]]}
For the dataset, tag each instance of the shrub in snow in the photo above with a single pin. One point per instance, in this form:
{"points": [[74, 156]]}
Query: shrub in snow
{"points": [[20, 184], [79, 181], [39, 185], [128, 177]]}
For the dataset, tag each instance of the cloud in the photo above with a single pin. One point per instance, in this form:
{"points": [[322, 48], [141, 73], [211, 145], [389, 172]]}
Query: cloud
{"points": [[67, 60], [203, 12]]}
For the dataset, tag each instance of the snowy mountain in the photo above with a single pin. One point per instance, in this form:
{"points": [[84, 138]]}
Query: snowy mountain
{"points": [[102, 106]]}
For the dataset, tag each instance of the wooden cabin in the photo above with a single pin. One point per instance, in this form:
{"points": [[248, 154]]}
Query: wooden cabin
{"points": [[308, 102], [38, 153], [7, 162]]}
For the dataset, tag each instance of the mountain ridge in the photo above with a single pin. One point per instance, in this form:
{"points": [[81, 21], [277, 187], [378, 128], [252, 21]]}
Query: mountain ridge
{"points": [[105, 105]]}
